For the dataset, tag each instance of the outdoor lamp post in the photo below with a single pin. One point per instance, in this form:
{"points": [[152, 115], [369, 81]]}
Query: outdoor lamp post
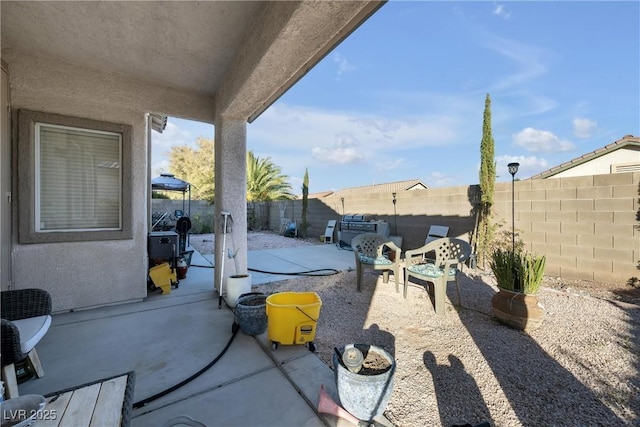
{"points": [[513, 170], [342, 200], [395, 215]]}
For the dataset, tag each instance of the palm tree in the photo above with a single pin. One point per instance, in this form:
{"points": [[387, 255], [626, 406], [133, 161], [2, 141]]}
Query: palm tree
{"points": [[265, 181]]}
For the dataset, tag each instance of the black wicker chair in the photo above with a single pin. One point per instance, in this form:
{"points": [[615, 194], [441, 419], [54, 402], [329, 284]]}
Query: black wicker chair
{"points": [[26, 311]]}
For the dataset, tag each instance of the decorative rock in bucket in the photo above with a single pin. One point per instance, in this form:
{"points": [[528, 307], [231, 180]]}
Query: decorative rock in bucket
{"points": [[251, 313], [365, 393]]}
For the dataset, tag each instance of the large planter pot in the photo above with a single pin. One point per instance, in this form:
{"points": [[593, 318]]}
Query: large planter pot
{"points": [[518, 310], [364, 396]]}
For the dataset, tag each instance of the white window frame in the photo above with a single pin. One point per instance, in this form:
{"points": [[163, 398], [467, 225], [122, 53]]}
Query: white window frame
{"points": [[28, 147]]}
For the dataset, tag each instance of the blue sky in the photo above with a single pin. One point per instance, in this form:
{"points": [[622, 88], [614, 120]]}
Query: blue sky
{"points": [[403, 96]]}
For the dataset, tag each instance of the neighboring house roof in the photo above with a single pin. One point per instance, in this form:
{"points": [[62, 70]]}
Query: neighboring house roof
{"points": [[390, 187], [320, 195], [628, 141]]}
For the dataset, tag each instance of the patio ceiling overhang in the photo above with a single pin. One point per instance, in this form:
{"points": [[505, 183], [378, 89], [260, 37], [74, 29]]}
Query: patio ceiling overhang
{"points": [[224, 58]]}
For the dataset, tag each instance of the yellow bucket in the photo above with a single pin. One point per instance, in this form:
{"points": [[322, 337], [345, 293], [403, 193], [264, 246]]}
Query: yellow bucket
{"points": [[163, 277], [292, 318]]}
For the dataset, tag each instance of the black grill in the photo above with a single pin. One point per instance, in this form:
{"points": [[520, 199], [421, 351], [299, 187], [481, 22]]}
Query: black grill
{"points": [[369, 227], [352, 225]]}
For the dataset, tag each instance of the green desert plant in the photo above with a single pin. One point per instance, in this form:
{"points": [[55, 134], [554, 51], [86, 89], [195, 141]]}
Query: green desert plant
{"points": [[518, 270], [502, 264], [530, 272]]}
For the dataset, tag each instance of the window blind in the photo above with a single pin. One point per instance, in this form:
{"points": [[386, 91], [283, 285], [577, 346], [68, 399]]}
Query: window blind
{"points": [[79, 186]]}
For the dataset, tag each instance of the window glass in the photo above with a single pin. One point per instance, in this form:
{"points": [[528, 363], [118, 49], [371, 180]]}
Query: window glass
{"points": [[79, 179]]}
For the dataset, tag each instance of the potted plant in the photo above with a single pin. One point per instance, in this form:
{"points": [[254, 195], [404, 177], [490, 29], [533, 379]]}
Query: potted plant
{"points": [[519, 276]]}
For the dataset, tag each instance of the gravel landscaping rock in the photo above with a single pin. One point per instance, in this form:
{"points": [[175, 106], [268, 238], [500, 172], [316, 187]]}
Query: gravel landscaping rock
{"points": [[580, 368]]}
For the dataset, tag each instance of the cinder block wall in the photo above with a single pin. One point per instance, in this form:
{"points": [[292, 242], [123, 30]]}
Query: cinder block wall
{"points": [[414, 212], [586, 226], [198, 207]]}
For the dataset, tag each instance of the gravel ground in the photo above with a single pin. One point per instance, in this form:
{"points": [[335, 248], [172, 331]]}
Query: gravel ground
{"points": [[580, 368]]}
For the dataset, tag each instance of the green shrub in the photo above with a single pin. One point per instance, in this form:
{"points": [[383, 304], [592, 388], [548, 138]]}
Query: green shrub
{"points": [[158, 195], [202, 224], [503, 238]]}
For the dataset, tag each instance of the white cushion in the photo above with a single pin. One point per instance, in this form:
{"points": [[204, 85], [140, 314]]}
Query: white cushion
{"points": [[32, 329]]}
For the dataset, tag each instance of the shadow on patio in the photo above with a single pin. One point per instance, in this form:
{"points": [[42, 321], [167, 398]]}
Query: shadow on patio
{"points": [[167, 338]]}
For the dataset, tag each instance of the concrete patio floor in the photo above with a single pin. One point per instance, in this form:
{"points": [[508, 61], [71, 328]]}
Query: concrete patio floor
{"points": [[167, 338]]}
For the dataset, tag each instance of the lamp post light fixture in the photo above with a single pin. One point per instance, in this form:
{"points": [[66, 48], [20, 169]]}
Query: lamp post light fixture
{"points": [[395, 215], [513, 168], [342, 200]]}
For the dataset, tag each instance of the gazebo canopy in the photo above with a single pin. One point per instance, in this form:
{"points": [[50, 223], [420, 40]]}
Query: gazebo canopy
{"points": [[169, 182]]}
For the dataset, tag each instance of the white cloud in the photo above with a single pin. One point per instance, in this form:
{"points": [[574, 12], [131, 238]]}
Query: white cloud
{"points": [[160, 167], [337, 137], [172, 135], [501, 11], [337, 154], [529, 166], [344, 66], [161, 143], [520, 103], [582, 127], [437, 179], [535, 140], [389, 165], [529, 62]]}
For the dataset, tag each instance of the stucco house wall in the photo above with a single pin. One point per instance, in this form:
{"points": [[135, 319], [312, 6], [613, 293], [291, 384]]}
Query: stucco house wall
{"points": [[109, 64], [603, 164], [87, 274]]}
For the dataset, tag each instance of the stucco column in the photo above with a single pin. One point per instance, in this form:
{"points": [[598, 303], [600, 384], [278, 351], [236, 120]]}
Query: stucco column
{"points": [[230, 196]]}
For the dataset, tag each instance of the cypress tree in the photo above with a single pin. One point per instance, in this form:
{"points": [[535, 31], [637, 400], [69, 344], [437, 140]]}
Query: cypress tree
{"points": [[305, 203], [487, 182]]}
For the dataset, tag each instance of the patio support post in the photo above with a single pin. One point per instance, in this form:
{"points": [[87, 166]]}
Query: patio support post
{"points": [[230, 196]]}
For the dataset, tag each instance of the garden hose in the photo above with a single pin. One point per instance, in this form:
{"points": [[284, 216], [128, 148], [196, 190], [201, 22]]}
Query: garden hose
{"points": [[143, 402], [329, 271]]}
